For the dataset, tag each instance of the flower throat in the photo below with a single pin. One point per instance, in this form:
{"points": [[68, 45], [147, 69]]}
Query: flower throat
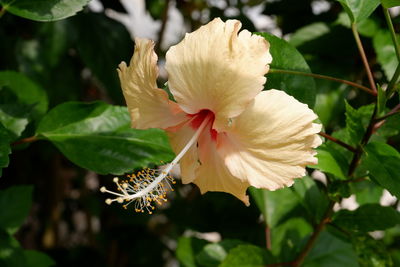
{"points": [[150, 186]]}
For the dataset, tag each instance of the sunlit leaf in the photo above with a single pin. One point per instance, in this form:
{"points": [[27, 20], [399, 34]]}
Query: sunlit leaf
{"points": [[390, 3], [247, 256], [213, 254], [385, 52], [383, 162], [359, 10], [44, 10], [98, 137], [286, 57]]}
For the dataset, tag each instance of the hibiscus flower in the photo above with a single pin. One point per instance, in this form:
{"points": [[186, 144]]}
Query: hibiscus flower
{"points": [[227, 132]]}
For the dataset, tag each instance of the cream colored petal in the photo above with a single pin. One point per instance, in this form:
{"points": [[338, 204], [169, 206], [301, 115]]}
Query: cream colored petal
{"points": [[212, 174], [149, 106], [218, 69], [271, 142], [179, 137]]}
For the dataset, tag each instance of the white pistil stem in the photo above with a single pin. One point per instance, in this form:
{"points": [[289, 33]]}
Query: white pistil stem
{"points": [[165, 172]]}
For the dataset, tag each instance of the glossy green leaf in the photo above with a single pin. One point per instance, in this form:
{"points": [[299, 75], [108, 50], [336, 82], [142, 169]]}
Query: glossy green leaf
{"points": [[390, 3], [359, 10], [101, 52], [15, 203], [357, 121], [247, 256], [331, 161], [213, 254], [329, 251], [98, 137], [274, 205], [5, 148], [44, 10], [286, 57], [37, 259], [385, 52], [287, 238], [187, 250], [367, 218], [383, 162], [25, 91], [308, 33]]}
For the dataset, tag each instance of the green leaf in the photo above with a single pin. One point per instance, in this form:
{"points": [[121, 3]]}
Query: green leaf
{"points": [[5, 148], [274, 205], [357, 121], [187, 250], [381, 103], [390, 3], [367, 218], [308, 33], [366, 192], [213, 254], [383, 162], [102, 53], [98, 137], [385, 52], [286, 57], [247, 256], [331, 161], [329, 251], [371, 252], [310, 197], [359, 10], [287, 238], [26, 91], [15, 203], [11, 254], [44, 10], [35, 259]]}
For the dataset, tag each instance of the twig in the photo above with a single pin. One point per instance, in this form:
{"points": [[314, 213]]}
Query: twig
{"points": [[324, 77], [394, 111], [318, 229], [392, 83], [311, 241], [2, 11], [25, 140], [363, 57], [392, 32], [268, 237], [339, 142], [164, 20]]}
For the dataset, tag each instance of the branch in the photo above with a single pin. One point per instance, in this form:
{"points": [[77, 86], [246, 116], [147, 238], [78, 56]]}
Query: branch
{"points": [[392, 32], [337, 141], [324, 77], [363, 57], [311, 241], [25, 140]]}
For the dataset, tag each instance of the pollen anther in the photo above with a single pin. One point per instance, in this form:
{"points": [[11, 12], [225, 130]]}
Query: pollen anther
{"points": [[149, 186]]}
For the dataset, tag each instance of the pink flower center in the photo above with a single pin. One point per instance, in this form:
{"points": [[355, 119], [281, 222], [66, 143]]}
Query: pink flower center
{"points": [[199, 117]]}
